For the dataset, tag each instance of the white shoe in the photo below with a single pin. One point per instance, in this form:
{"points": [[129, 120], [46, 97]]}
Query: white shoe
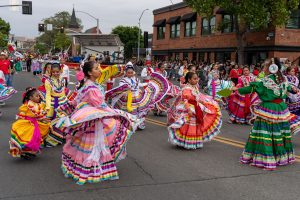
{"points": [[2, 103]]}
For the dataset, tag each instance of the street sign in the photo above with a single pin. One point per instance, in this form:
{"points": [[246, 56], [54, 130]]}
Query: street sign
{"points": [[49, 27], [27, 7]]}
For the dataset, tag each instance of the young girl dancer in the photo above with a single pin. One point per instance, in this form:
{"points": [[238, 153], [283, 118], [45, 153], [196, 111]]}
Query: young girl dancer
{"points": [[196, 117], [269, 144], [96, 134], [293, 100], [55, 97], [239, 105], [130, 95], [31, 127]]}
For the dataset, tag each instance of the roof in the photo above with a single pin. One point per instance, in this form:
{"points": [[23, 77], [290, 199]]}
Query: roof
{"points": [[169, 8], [93, 30], [88, 39], [73, 22]]}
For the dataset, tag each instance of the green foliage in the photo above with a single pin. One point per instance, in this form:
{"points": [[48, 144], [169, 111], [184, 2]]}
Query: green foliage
{"points": [[62, 41], [40, 48], [258, 13], [54, 37], [4, 33], [129, 37]]}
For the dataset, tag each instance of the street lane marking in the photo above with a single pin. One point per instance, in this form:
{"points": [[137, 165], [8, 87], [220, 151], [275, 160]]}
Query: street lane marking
{"points": [[223, 140]]}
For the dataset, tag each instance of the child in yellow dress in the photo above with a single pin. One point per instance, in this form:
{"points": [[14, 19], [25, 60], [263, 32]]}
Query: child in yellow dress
{"points": [[31, 127]]}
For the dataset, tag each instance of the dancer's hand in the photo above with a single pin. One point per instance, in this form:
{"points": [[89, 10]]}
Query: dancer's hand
{"points": [[234, 88]]}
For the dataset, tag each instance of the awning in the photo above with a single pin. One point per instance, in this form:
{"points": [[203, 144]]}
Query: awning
{"points": [[222, 11], [189, 17], [160, 23], [174, 20]]}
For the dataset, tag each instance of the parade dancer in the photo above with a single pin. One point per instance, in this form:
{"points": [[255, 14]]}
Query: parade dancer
{"points": [[31, 127], [269, 144], [55, 97], [130, 95], [196, 118], [45, 75], [146, 72], [293, 100], [5, 94], [96, 134], [215, 85], [239, 105], [161, 106]]}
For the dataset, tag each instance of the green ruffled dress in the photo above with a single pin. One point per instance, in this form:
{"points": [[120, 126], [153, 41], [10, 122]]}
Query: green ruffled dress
{"points": [[269, 143]]}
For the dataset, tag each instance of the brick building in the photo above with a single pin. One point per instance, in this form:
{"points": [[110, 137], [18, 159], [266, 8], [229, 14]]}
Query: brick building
{"points": [[180, 33]]}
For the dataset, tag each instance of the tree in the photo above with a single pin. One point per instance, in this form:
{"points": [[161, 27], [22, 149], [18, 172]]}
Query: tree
{"points": [[4, 33], [129, 36], [259, 14], [54, 38]]}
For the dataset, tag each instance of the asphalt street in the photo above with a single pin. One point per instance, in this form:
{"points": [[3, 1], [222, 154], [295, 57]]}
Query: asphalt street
{"points": [[153, 169]]}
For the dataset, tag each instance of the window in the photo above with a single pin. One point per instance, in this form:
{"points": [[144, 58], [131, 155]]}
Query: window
{"points": [[194, 56], [228, 24], [190, 28], [208, 26], [213, 25], [294, 21], [175, 30], [201, 57], [185, 56], [161, 30], [223, 56], [205, 27]]}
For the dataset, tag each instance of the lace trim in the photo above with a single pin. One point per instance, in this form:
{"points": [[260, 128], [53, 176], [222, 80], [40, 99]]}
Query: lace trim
{"points": [[277, 88]]}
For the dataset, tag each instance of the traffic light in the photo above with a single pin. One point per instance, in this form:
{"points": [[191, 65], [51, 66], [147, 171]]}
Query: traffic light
{"points": [[62, 30], [27, 7], [145, 39], [41, 27]]}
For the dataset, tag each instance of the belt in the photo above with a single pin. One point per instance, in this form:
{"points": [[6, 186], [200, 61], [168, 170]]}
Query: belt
{"points": [[277, 101]]}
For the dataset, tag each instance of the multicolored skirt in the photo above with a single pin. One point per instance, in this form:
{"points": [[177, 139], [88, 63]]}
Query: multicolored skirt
{"points": [[7, 93], [21, 134], [293, 103], [79, 160], [141, 104], [269, 144], [185, 132], [239, 107], [164, 105]]}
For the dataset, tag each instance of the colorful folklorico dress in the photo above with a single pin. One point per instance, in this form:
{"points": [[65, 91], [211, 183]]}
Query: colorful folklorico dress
{"points": [[269, 143], [6, 92], [29, 132], [191, 131], [239, 105], [55, 97], [215, 86], [164, 105], [96, 137], [131, 97], [293, 100]]}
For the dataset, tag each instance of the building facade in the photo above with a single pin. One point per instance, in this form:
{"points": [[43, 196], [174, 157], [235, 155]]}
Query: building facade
{"points": [[179, 33]]}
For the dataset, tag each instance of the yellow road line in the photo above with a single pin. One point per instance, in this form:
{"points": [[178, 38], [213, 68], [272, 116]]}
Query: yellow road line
{"points": [[218, 138]]}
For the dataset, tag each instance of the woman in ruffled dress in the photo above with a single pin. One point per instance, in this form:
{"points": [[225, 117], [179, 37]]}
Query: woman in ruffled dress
{"points": [[293, 100], [239, 105], [269, 144], [31, 127], [132, 97], [197, 117], [96, 135], [164, 105]]}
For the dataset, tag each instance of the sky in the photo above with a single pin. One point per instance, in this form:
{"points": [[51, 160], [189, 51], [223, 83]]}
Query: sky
{"points": [[111, 13]]}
